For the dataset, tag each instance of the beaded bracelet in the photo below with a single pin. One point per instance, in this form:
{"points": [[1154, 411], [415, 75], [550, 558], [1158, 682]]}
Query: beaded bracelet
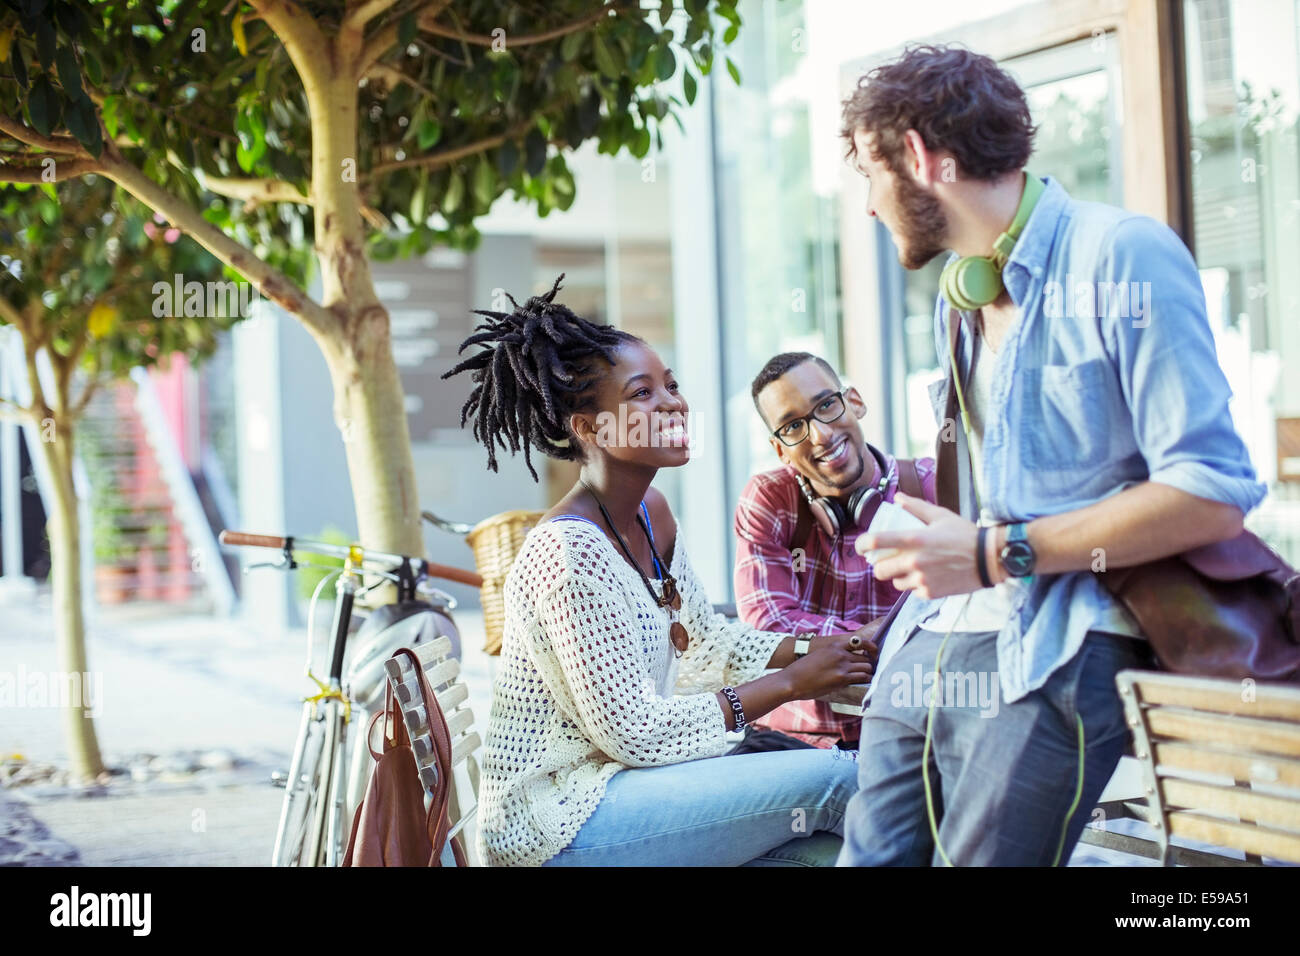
{"points": [[734, 699]]}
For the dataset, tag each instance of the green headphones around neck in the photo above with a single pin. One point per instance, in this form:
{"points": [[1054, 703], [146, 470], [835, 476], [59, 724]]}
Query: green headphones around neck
{"points": [[972, 282]]}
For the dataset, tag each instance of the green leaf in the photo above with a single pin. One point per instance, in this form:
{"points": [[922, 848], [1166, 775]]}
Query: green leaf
{"points": [[733, 70], [704, 59], [82, 124], [110, 114], [45, 44], [406, 28], [665, 12], [429, 133], [94, 72], [43, 106], [667, 63], [689, 86], [20, 68], [571, 46], [507, 159], [485, 183], [731, 33], [419, 200], [454, 192], [534, 152], [69, 73], [70, 19], [604, 59]]}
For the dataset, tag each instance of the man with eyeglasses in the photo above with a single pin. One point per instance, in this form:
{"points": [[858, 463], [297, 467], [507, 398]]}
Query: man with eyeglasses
{"points": [[796, 567]]}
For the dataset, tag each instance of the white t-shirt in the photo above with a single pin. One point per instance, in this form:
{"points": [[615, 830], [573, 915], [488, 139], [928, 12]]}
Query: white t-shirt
{"points": [[989, 609]]}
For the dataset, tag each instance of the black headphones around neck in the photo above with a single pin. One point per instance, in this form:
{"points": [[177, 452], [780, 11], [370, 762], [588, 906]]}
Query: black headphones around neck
{"points": [[834, 516]]}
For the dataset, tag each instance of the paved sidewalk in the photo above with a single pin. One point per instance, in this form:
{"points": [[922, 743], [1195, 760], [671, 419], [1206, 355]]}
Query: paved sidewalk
{"points": [[176, 692]]}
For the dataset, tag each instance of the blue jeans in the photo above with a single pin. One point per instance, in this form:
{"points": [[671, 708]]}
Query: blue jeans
{"points": [[1002, 776], [782, 808]]}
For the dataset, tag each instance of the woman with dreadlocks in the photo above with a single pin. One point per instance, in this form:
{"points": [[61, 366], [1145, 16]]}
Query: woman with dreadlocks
{"points": [[617, 681]]}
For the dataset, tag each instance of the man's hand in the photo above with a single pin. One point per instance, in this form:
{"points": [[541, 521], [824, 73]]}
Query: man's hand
{"points": [[935, 561]]}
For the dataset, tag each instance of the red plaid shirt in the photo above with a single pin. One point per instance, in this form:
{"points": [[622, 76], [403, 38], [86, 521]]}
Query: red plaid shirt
{"points": [[832, 592]]}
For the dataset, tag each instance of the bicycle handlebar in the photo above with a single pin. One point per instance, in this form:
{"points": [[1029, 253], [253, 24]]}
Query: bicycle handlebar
{"points": [[305, 545]]}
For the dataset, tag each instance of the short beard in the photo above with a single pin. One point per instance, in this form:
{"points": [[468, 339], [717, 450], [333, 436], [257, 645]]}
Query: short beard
{"points": [[921, 223], [847, 482]]}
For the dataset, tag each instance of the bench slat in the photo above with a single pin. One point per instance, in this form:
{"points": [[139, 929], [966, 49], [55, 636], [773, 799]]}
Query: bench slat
{"points": [[464, 747], [431, 652], [1235, 801], [1246, 733], [1269, 702], [1247, 768], [443, 673], [1238, 836]]}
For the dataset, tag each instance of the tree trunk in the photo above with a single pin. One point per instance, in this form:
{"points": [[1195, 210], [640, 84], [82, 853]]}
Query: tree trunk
{"points": [[369, 408], [69, 622]]}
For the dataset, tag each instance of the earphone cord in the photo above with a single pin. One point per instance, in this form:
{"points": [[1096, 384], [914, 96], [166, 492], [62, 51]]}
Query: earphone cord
{"points": [[938, 659]]}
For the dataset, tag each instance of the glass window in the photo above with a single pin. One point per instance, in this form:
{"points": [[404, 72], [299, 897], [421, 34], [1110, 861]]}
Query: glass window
{"points": [[1243, 91], [778, 255]]}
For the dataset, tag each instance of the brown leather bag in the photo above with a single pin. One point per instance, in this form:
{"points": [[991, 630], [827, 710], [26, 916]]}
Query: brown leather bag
{"points": [[391, 826], [1228, 609]]}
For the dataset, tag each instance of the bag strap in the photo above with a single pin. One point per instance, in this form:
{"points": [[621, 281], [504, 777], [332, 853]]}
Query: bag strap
{"points": [[803, 523], [436, 818], [909, 479]]}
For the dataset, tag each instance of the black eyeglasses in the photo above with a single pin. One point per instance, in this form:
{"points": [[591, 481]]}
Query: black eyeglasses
{"points": [[796, 430]]}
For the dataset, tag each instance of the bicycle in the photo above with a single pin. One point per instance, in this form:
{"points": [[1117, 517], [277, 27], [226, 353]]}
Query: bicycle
{"points": [[321, 790]]}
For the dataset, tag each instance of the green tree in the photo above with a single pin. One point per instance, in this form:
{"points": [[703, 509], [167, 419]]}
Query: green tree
{"points": [[334, 132], [77, 269]]}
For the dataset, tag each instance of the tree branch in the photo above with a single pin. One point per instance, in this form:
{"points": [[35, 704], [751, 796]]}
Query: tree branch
{"points": [[9, 312], [53, 144], [393, 75], [446, 156], [302, 38], [69, 169], [385, 38], [429, 25], [87, 393], [271, 282], [259, 190], [13, 412], [362, 13]]}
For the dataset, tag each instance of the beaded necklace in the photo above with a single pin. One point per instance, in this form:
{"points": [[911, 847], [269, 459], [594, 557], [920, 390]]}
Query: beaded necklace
{"points": [[671, 599]]}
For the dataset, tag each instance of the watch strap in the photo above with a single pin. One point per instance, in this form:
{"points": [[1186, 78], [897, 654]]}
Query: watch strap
{"points": [[982, 557]]}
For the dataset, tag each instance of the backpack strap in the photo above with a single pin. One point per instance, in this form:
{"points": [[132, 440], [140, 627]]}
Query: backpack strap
{"points": [[909, 479], [803, 524]]}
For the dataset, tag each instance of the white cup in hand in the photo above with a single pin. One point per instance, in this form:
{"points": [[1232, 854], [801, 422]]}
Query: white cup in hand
{"points": [[888, 517]]}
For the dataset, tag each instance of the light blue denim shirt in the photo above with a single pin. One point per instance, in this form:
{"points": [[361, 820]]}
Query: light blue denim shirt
{"points": [[1109, 378]]}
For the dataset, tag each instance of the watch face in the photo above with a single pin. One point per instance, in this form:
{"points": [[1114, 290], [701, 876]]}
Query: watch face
{"points": [[1018, 559]]}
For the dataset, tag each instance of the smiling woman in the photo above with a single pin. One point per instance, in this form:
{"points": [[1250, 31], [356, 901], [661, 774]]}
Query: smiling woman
{"points": [[616, 675]]}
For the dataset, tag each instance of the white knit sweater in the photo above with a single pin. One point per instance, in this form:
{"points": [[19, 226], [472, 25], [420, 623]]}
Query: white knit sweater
{"points": [[585, 687]]}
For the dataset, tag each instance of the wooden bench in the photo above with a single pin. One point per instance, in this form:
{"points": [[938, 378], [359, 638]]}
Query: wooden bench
{"points": [[442, 672], [1220, 761]]}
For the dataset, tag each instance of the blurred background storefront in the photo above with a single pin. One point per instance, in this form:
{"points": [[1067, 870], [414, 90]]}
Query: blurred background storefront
{"points": [[747, 235]]}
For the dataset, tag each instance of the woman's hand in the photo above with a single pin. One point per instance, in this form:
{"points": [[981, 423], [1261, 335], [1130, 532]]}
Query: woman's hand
{"points": [[831, 663]]}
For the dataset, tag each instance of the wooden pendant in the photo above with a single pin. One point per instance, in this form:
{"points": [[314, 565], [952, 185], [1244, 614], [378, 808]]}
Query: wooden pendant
{"points": [[677, 634], [672, 597]]}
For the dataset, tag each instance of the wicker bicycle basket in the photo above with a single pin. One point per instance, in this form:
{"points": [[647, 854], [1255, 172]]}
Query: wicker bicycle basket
{"points": [[496, 541]]}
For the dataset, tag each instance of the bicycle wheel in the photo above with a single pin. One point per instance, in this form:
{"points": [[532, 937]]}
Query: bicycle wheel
{"points": [[324, 824], [297, 810]]}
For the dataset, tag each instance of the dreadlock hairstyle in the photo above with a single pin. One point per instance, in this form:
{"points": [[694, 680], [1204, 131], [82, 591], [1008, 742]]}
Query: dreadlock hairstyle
{"points": [[537, 367]]}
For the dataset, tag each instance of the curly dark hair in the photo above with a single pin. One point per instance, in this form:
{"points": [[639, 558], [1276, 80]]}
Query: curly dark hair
{"points": [[537, 367], [955, 99]]}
